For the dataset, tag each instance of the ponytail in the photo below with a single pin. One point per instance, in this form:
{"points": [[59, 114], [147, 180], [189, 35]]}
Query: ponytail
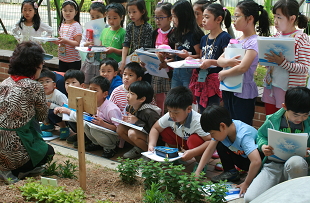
{"points": [[218, 10], [302, 21], [263, 27]]}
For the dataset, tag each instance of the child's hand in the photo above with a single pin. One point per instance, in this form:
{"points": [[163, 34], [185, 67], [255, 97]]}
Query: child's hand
{"points": [[267, 150], [243, 187], [48, 104], [130, 118], [142, 64], [187, 155], [308, 152], [189, 58], [150, 148], [98, 121], [272, 57], [234, 61], [222, 75], [121, 67], [62, 40], [183, 55], [88, 43], [206, 64], [110, 50], [60, 110]]}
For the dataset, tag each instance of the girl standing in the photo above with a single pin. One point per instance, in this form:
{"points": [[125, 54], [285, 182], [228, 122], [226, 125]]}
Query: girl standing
{"points": [[198, 8], [163, 35], [30, 24], [91, 65], [241, 105], [204, 82], [70, 32], [138, 31], [188, 35], [113, 37], [286, 75]]}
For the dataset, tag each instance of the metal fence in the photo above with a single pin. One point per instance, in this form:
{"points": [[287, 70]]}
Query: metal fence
{"points": [[10, 12]]}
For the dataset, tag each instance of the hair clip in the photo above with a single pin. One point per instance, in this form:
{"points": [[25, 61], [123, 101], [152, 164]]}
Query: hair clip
{"points": [[160, 2], [224, 8], [72, 2], [98, 1], [35, 5]]}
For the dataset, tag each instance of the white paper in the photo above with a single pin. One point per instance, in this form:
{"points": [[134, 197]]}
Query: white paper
{"points": [[151, 63], [93, 49], [46, 39], [277, 45], [286, 145], [50, 138], [127, 124], [193, 63], [97, 127], [97, 26], [233, 83], [155, 157], [171, 51]]}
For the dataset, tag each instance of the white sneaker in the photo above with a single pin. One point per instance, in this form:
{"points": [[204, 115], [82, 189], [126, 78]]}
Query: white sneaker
{"points": [[133, 153], [8, 177]]}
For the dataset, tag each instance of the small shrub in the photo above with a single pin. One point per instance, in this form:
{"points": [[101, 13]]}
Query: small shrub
{"points": [[47, 193], [191, 188], [128, 170], [67, 170], [151, 172], [170, 176], [50, 168], [154, 195], [216, 191]]}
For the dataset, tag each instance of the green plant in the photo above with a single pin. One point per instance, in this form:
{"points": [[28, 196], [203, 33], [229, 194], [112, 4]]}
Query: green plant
{"points": [[50, 168], [85, 6], [216, 191], [151, 172], [191, 188], [259, 75], [47, 193], [128, 169], [67, 170], [170, 176], [154, 195]]}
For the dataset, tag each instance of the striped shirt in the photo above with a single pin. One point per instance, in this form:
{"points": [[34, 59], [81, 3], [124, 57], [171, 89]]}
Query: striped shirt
{"points": [[69, 31], [298, 71], [119, 97]]}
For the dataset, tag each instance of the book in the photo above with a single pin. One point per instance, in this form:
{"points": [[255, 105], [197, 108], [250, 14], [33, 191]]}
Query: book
{"points": [[286, 145], [231, 194], [98, 127], [171, 51], [97, 26], [276, 44], [155, 157], [233, 83], [127, 124], [193, 63], [92, 49], [151, 63], [46, 39]]}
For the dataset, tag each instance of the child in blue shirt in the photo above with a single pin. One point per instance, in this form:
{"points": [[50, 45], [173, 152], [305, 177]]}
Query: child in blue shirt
{"points": [[235, 144], [109, 70]]}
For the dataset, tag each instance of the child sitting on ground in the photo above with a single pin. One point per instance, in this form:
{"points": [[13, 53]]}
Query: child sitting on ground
{"points": [[132, 72], [293, 118], [180, 126], [235, 144], [109, 70], [54, 98], [141, 113]]}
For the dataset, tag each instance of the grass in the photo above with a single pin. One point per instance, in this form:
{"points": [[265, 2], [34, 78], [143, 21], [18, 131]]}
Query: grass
{"points": [[8, 42], [259, 75]]}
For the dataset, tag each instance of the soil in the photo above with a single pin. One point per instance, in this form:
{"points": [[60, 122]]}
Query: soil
{"points": [[102, 184]]}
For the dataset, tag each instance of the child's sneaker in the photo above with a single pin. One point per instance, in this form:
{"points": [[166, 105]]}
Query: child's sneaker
{"points": [[240, 170], [231, 175], [8, 177], [108, 153], [218, 166], [133, 153], [47, 134], [71, 139], [215, 155], [47, 127], [64, 133]]}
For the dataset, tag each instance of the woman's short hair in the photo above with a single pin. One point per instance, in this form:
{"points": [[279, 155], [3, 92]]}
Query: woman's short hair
{"points": [[26, 59]]}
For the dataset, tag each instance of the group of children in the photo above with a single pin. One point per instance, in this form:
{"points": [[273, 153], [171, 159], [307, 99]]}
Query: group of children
{"points": [[226, 129]]}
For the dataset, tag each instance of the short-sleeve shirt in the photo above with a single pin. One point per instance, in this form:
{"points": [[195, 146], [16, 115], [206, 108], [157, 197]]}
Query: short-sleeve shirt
{"points": [[213, 48], [113, 38], [188, 43], [107, 110], [191, 125], [249, 88], [70, 31], [119, 97], [244, 143]]}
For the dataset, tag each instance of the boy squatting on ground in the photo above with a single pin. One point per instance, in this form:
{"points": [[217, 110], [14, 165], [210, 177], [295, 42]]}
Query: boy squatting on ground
{"points": [[293, 117], [141, 113], [235, 144], [54, 98], [180, 126], [105, 111]]}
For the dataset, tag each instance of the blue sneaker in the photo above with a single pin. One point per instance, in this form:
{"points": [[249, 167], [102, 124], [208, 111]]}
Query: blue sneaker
{"points": [[64, 133], [47, 127], [46, 134]]}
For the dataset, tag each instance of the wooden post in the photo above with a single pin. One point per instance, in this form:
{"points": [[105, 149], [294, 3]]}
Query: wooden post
{"points": [[83, 100]]}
